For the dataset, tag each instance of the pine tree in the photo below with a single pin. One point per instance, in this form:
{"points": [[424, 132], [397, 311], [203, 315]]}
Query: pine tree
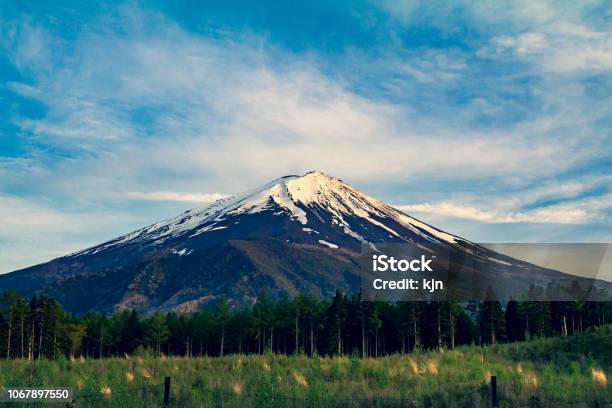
{"points": [[74, 332], [222, 316], [453, 312], [131, 335], [335, 323], [9, 302], [264, 319], [375, 323], [157, 332], [491, 319], [538, 313], [515, 329]]}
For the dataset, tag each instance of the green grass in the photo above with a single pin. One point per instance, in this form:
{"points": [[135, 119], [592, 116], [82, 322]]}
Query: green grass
{"points": [[542, 372]]}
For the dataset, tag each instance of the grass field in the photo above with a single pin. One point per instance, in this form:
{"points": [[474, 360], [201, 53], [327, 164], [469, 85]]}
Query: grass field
{"points": [[551, 372]]}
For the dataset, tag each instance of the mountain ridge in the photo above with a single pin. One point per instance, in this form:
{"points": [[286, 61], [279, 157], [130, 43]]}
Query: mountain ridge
{"points": [[290, 193], [294, 234]]}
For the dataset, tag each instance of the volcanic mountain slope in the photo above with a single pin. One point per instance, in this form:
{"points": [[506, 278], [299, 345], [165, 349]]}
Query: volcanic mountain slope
{"points": [[295, 234]]}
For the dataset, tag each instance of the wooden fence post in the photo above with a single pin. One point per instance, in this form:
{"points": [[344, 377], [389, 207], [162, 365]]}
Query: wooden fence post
{"points": [[494, 391], [166, 392]]}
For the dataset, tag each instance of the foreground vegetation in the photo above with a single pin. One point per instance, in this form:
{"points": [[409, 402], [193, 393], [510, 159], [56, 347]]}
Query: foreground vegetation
{"points": [[561, 371], [40, 329]]}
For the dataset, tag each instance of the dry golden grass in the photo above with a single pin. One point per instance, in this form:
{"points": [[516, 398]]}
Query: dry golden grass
{"points": [[145, 373], [531, 379], [414, 367], [237, 388], [300, 379], [432, 366], [599, 377]]}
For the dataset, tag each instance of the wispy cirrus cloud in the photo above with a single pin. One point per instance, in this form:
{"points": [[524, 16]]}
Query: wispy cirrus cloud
{"points": [[262, 113], [175, 196], [579, 212], [33, 231], [576, 202], [562, 48]]}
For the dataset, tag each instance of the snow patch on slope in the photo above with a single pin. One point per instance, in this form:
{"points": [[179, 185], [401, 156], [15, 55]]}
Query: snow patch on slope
{"points": [[328, 244], [282, 197], [412, 222]]}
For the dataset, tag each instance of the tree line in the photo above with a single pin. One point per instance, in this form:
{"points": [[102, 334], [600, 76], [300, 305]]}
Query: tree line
{"points": [[39, 328]]}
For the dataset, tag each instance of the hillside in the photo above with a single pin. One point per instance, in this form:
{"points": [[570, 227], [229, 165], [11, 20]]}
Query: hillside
{"points": [[296, 234]]}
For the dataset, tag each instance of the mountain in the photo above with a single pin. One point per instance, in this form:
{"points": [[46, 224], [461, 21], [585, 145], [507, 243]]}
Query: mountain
{"points": [[295, 234]]}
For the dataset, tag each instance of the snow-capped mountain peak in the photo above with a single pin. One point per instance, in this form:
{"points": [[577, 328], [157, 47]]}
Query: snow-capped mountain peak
{"points": [[295, 234], [314, 201]]}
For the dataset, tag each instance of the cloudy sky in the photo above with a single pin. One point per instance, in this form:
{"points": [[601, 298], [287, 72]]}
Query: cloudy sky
{"points": [[489, 120]]}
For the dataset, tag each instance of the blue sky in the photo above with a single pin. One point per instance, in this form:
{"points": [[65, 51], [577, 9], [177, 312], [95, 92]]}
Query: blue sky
{"points": [[489, 120]]}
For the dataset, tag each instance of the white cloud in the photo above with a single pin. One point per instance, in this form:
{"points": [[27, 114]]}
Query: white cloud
{"points": [[554, 38], [567, 202], [184, 103], [175, 196], [32, 231], [35, 229], [575, 212], [554, 215], [558, 47], [16, 214], [527, 43]]}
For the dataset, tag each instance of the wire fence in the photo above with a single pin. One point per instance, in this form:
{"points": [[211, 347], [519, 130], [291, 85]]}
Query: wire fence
{"points": [[174, 394]]}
